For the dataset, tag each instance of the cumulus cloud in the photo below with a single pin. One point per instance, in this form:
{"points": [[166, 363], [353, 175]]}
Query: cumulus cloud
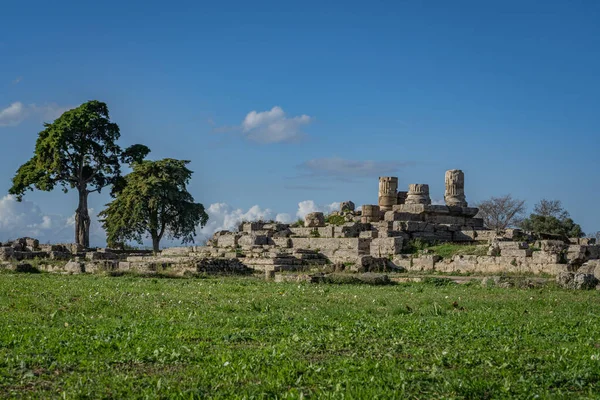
{"points": [[308, 206], [340, 168], [26, 218], [221, 216], [13, 114], [284, 218], [274, 126], [18, 112]]}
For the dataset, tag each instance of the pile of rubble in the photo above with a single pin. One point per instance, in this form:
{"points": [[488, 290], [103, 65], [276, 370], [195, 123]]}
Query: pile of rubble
{"points": [[29, 249]]}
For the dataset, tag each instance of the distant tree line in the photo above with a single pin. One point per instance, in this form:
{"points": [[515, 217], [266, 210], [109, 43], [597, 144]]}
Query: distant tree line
{"points": [[548, 217]]}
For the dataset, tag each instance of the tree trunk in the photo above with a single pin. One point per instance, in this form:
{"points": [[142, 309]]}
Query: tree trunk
{"points": [[82, 220], [155, 243]]}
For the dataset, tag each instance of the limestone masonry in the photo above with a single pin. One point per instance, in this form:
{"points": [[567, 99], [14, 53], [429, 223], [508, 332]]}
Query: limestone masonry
{"points": [[372, 239]]}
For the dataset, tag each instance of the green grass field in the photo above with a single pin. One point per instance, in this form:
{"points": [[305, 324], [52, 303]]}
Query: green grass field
{"points": [[131, 337]]}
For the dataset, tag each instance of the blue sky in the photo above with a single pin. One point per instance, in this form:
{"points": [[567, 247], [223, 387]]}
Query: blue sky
{"points": [[276, 103]]}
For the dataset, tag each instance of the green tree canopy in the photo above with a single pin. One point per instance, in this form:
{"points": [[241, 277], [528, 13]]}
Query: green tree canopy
{"points": [[77, 151], [549, 217], [154, 201]]}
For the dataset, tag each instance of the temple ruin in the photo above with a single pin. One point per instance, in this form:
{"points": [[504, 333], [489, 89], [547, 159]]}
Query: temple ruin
{"points": [[374, 238]]}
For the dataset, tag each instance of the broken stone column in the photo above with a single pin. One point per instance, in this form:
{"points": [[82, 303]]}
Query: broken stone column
{"points": [[370, 213], [388, 197], [455, 188], [418, 193]]}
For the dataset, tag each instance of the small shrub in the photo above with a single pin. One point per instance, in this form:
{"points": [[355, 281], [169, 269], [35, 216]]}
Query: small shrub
{"points": [[26, 268], [334, 219], [341, 279], [298, 224], [438, 281], [416, 245]]}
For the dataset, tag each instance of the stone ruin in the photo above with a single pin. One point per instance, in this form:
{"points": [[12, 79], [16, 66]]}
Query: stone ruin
{"points": [[374, 238], [370, 239]]}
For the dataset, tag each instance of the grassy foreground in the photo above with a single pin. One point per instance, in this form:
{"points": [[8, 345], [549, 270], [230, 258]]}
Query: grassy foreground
{"points": [[130, 337]]}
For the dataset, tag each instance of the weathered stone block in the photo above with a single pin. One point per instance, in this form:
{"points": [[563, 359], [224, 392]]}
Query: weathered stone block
{"points": [[513, 234], [98, 255], [433, 236], [177, 251], [384, 247], [542, 257], [445, 219], [486, 235], [252, 226], [368, 234], [371, 213], [512, 245], [301, 231], [410, 208], [594, 252], [464, 236], [252, 240], [6, 253], [402, 261], [314, 219], [516, 253], [392, 216], [412, 226], [469, 211], [327, 231], [461, 264], [59, 255], [346, 206], [591, 267], [437, 209], [229, 240], [582, 241], [424, 263], [74, 267], [580, 281], [474, 222], [282, 242]]}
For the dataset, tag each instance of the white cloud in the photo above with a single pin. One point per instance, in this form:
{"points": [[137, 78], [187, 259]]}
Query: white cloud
{"points": [[273, 126], [25, 218], [284, 218], [308, 206], [337, 167], [13, 114], [18, 112], [221, 216]]}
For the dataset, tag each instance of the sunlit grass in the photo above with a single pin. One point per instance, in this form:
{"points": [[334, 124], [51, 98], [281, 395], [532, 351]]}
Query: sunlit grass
{"points": [[131, 337]]}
